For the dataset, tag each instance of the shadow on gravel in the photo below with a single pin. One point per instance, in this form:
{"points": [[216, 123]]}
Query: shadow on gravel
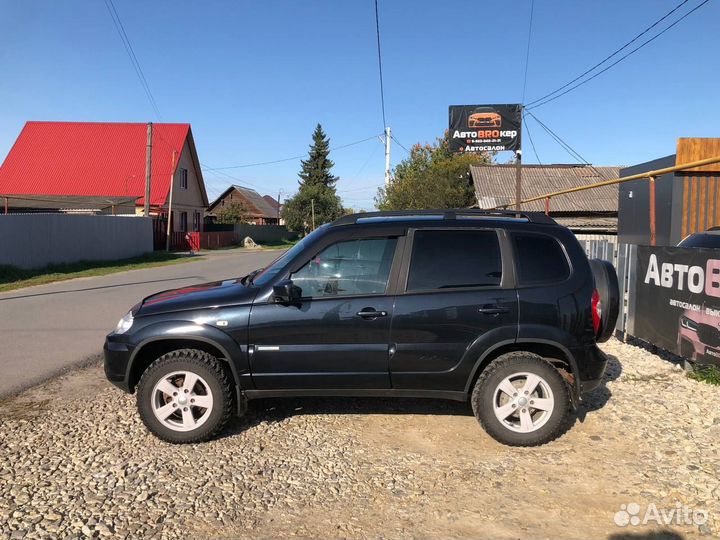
{"points": [[653, 535], [277, 409], [598, 398]]}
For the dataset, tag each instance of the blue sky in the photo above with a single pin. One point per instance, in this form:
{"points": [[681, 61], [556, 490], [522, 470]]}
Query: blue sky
{"points": [[253, 78]]}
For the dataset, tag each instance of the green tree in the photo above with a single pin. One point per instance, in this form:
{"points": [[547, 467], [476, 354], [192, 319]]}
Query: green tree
{"points": [[317, 186], [233, 213], [297, 211], [316, 168], [431, 177]]}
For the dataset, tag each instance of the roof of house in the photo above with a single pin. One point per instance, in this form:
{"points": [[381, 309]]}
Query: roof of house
{"points": [[495, 186], [256, 205], [94, 159], [271, 201]]}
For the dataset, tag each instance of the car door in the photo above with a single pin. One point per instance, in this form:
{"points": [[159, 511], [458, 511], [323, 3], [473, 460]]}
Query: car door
{"points": [[458, 298], [337, 336]]}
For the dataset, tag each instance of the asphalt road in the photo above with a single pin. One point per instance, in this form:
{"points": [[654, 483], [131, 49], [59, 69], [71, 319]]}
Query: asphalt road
{"points": [[45, 330]]}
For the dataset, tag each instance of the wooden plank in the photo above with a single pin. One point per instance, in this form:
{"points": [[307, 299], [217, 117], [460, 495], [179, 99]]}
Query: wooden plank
{"points": [[686, 189], [695, 149], [693, 205], [711, 219], [702, 203]]}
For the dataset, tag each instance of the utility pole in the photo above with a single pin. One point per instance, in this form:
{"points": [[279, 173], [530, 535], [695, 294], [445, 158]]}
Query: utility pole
{"points": [[148, 169], [518, 179], [387, 155], [172, 189], [312, 207], [518, 169]]}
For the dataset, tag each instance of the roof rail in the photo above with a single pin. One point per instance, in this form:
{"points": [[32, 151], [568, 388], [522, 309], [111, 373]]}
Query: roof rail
{"points": [[451, 213]]}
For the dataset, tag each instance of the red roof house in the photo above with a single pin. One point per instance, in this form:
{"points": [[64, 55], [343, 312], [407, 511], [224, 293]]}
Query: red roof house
{"points": [[102, 159]]}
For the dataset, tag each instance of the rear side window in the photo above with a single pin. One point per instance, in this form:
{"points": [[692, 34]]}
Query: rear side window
{"points": [[450, 259], [540, 259]]}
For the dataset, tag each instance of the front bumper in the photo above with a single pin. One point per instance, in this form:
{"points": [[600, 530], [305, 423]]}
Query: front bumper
{"points": [[117, 357]]}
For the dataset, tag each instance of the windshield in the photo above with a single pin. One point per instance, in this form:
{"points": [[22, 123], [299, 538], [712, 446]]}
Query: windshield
{"points": [[271, 270], [701, 240]]}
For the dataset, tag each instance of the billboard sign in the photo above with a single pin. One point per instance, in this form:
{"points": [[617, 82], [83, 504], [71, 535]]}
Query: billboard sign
{"points": [[677, 303], [485, 128]]}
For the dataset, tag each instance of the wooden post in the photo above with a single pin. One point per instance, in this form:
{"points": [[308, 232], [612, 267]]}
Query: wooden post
{"points": [[312, 206], [172, 189], [547, 206], [653, 235], [6, 205], [518, 181], [148, 169]]}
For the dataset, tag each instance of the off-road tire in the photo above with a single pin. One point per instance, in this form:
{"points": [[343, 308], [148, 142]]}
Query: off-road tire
{"points": [[211, 370], [506, 365]]}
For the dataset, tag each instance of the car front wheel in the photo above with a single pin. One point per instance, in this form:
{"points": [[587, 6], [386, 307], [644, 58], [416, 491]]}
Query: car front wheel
{"points": [[520, 399], [185, 396]]}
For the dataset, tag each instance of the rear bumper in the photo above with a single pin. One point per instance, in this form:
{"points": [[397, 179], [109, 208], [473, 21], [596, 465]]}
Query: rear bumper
{"points": [[117, 356], [591, 363]]}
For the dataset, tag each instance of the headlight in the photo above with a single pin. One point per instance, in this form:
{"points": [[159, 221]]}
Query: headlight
{"points": [[124, 324], [688, 323]]}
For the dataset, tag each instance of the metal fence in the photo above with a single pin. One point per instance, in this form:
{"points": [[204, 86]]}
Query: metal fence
{"points": [[607, 247], [37, 240]]}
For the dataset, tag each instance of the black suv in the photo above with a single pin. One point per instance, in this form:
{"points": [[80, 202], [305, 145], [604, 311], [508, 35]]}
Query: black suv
{"points": [[499, 309]]}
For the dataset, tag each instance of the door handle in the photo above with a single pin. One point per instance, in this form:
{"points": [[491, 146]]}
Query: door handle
{"points": [[371, 314], [493, 310]]}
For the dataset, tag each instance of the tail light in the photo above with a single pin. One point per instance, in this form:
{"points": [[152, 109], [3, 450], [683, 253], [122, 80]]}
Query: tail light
{"points": [[596, 311]]}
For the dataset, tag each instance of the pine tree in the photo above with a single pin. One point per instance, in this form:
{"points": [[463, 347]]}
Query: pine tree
{"points": [[316, 168], [317, 186]]}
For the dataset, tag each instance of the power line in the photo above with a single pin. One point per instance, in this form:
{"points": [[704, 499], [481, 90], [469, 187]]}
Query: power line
{"points": [[547, 99], [574, 154], [527, 52], [382, 89], [285, 159], [219, 173], [532, 144], [569, 149], [131, 54], [401, 145]]}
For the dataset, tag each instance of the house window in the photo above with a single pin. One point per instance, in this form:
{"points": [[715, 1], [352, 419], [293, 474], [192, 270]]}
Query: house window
{"points": [[183, 221], [183, 179], [196, 221]]}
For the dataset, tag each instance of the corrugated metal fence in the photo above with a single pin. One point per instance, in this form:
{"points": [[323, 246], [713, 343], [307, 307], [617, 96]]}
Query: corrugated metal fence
{"points": [[622, 256], [37, 240]]}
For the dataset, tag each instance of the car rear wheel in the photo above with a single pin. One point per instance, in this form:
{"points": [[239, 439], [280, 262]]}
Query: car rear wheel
{"points": [[520, 399], [185, 396]]}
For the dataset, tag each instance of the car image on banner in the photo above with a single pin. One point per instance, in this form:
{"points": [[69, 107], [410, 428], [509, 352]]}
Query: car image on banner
{"points": [[677, 303], [484, 128]]}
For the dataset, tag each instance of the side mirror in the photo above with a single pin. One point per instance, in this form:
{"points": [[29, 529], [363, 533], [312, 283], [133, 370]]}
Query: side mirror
{"points": [[286, 292]]}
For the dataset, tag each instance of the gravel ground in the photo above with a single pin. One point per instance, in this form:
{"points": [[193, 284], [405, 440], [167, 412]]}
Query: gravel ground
{"points": [[77, 462]]}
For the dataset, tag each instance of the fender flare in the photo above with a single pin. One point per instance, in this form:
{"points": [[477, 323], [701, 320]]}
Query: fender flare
{"points": [[233, 352], [519, 342]]}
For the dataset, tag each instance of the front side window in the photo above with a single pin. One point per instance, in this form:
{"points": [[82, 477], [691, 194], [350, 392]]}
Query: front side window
{"points": [[183, 179], [183, 221], [540, 259], [353, 267], [454, 259]]}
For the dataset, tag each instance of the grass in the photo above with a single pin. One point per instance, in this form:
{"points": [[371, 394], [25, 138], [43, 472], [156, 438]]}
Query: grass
{"points": [[12, 277], [709, 374], [280, 244]]}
